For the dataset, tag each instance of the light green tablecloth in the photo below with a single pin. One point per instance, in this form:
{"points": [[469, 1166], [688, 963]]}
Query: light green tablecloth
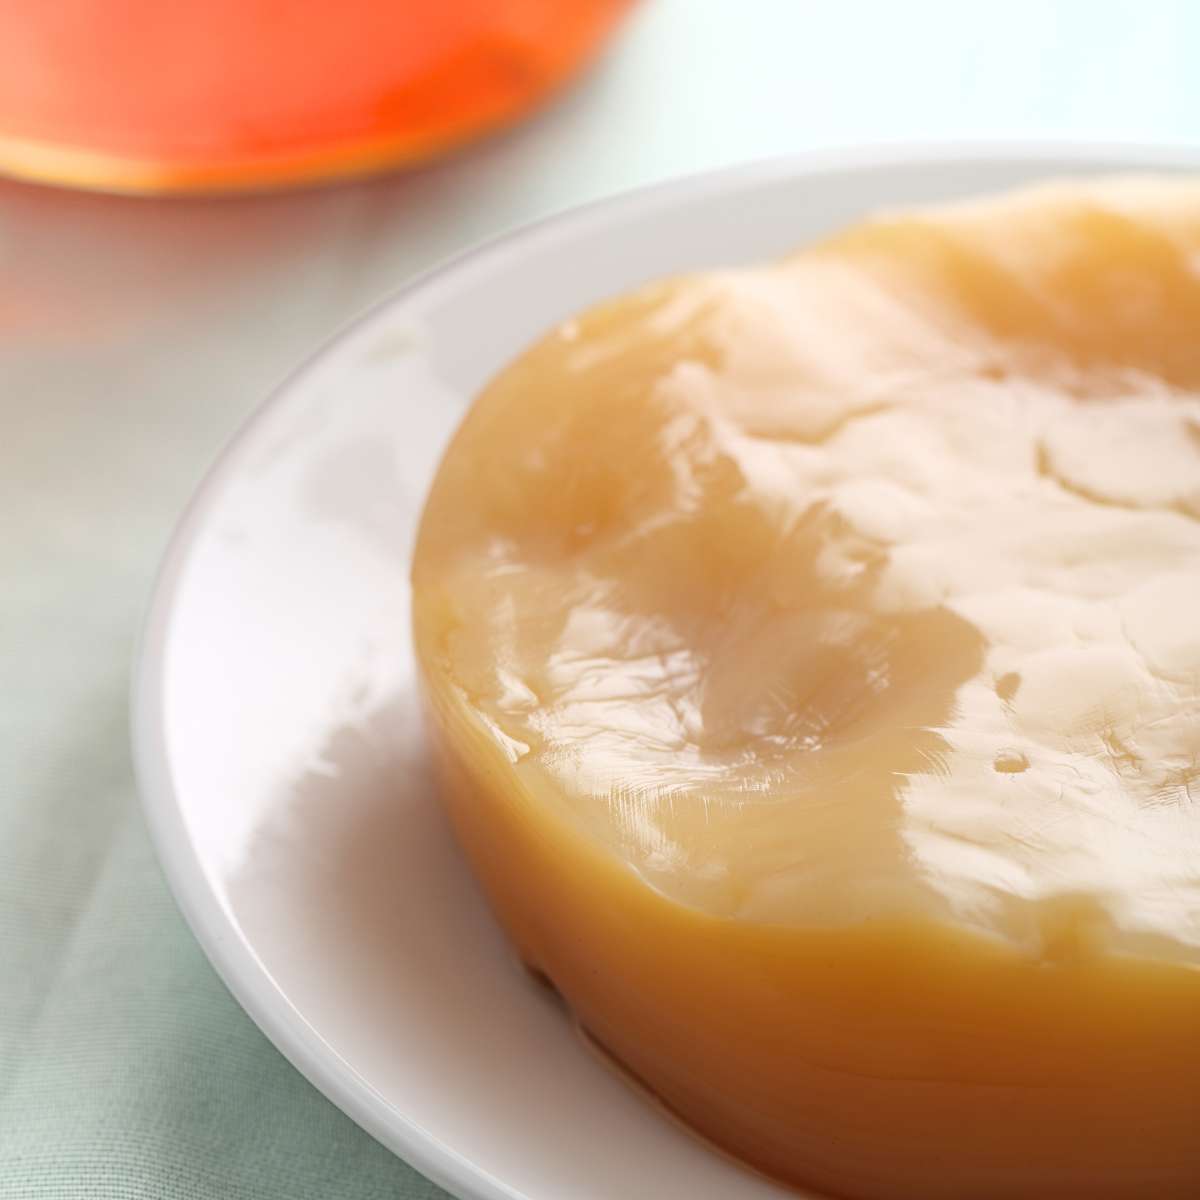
{"points": [[126, 1069], [134, 337]]}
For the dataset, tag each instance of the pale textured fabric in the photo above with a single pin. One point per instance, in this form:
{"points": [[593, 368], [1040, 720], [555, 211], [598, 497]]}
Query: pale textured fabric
{"points": [[133, 339], [134, 336]]}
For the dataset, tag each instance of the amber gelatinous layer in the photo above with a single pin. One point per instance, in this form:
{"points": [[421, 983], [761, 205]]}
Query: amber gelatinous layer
{"points": [[813, 660]]}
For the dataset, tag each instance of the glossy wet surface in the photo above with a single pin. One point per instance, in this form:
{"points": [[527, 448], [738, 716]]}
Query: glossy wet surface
{"points": [[865, 583]]}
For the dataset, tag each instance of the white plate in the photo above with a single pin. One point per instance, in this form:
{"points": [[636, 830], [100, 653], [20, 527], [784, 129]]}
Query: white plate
{"points": [[277, 743]]}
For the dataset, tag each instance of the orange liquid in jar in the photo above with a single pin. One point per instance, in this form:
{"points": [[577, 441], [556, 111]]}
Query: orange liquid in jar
{"points": [[135, 95]]}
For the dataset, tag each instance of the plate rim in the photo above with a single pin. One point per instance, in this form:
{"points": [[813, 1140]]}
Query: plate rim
{"points": [[231, 955]]}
